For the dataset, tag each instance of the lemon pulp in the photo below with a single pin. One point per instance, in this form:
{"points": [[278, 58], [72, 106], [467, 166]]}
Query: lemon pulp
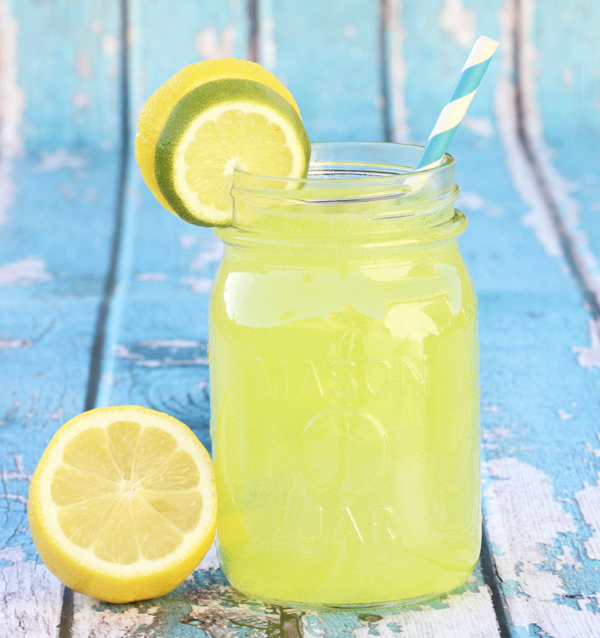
{"points": [[123, 503]]}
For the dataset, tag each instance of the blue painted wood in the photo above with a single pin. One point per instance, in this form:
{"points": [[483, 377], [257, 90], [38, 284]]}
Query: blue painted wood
{"points": [[56, 223], [540, 409], [68, 56], [54, 252], [565, 90], [328, 55]]}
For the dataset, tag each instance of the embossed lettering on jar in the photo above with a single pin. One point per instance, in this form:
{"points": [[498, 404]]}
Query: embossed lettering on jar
{"points": [[344, 384]]}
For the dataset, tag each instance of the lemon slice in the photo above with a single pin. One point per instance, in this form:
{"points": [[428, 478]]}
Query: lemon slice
{"points": [[123, 504], [209, 119]]}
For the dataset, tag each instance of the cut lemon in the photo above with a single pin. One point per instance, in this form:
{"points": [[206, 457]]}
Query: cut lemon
{"points": [[123, 504], [208, 120]]}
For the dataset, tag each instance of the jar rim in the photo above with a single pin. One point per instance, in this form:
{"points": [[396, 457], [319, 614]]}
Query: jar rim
{"points": [[363, 189], [318, 148], [345, 173]]}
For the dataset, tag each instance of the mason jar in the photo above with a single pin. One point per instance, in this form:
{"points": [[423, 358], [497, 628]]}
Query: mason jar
{"points": [[344, 384]]}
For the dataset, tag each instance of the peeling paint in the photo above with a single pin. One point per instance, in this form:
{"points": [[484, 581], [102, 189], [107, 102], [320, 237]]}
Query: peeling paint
{"points": [[150, 277], [481, 126], [110, 45], [25, 272], [268, 49], [12, 102], [459, 22], [207, 46], [170, 343], [564, 416], [81, 100], [210, 255], [198, 284], [83, 65], [154, 353], [59, 159], [465, 615], [523, 518], [398, 71], [19, 473], [92, 622], [15, 344], [567, 78], [588, 500], [35, 597], [590, 357], [471, 201]]}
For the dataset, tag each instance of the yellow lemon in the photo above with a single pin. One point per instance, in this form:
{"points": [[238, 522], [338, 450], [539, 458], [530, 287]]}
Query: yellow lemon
{"points": [[209, 119], [123, 503]]}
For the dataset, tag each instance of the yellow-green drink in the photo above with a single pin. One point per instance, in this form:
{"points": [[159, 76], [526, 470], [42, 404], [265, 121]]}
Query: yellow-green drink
{"points": [[344, 384]]}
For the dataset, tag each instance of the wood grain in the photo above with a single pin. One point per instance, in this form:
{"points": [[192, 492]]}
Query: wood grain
{"points": [[527, 164]]}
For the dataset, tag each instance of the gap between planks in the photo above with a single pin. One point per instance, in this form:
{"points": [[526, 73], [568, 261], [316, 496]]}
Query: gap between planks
{"points": [[572, 256], [95, 369]]}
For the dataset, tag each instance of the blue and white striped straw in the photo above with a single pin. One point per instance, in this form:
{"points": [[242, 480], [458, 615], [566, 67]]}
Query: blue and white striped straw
{"points": [[452, 114]]}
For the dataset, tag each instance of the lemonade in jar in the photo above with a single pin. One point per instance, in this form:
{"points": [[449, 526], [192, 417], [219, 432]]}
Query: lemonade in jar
{"points": [[344, 384], [343, 343]]}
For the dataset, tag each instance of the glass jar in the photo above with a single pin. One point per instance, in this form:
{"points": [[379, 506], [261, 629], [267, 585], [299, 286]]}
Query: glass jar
{"points": [[344, 384]]}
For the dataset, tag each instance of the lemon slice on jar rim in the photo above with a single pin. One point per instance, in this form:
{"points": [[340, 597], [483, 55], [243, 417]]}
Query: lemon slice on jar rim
{"points": [[209, 119], [123, 504]]}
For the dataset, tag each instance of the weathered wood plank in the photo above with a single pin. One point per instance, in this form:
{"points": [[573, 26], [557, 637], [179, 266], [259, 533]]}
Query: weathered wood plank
{"points": [[533, 391], [56, 212], [156, 332], [328, 54], [68, 55], [54, 251], [560, 86], [538, 523]]}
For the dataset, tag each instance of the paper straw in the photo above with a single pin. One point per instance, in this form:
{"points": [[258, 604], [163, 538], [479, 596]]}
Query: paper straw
{"points": [[452, 114]]}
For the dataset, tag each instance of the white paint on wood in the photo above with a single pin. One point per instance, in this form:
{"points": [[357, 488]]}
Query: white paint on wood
{"points": [[81, 100], [18, 473], [481, 126], [564, 416], [395, 34], [467, 615], [91, 622], [151, 277], [14, 344], [174, 344], [211, 254], [122, 351], [470, 201], [59, 159], [83, 65], [12, 101], [210, 561], [198, 284], [588, 500], [24, 272], [268, 47], [524, 517], [110, 45], [30, 598], [590, 357], [459, 22], [210, 46]]}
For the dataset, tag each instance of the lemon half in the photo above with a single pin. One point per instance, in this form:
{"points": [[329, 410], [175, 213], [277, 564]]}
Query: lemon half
{"points": [[123, 504]]}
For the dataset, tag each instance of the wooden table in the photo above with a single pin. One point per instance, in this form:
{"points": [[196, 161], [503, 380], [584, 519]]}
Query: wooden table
{"points": [[103, 295]]}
